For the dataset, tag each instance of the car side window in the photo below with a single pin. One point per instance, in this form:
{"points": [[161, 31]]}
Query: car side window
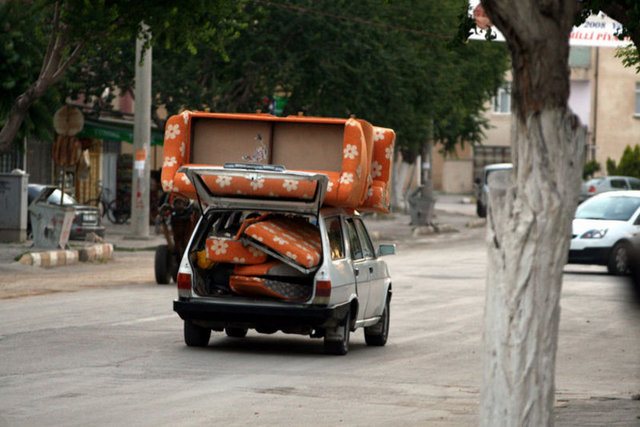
{"points": [[354, 242], [336, 242], [635, 184], [365, 240], [618, 183]]}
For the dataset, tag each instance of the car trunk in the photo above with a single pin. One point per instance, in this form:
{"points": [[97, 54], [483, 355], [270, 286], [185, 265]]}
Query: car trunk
{"points": [[255, 254], [263, 246]]}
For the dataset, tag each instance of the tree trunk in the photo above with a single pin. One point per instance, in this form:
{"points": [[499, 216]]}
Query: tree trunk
{"points": [[529, 216], [16, 116], [528, 234], [55, 63]]}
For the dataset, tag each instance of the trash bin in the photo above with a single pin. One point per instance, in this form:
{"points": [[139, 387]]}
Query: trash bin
{"points": [[421, 207], [13, 206], [50, 223]]}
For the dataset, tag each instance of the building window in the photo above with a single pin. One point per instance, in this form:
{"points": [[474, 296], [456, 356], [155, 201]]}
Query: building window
{"points": [[502, 100], [637, 109], [580, 56]]}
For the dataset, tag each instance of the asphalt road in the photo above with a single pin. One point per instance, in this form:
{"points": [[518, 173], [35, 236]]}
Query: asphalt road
{"points": [[114, 355]]}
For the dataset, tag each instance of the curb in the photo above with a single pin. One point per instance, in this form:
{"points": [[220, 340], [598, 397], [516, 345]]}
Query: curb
{"points": [[476, 223], [101, 252]]}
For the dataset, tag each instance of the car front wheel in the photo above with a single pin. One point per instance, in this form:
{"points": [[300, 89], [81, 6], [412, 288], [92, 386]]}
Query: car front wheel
{"points": [[619, 259]]}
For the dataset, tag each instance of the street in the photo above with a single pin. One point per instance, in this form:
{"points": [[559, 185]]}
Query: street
{"points": [[115, 355]]}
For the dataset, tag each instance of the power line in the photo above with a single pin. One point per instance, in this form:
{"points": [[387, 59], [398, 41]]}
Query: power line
{"points": [[347, 18]]}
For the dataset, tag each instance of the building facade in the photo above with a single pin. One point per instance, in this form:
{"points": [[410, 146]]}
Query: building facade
{"points": [[605, 95]]}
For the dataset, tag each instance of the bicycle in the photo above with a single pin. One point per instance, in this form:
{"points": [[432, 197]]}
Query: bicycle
{"points": [[119, 209], [102, 201]]}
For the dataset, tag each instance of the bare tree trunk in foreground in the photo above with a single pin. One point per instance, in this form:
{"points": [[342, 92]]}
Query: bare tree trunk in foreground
{"points": [[529, 216]]}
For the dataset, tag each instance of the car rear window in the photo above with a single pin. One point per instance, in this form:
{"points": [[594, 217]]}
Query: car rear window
{"points": [[616, 208]]}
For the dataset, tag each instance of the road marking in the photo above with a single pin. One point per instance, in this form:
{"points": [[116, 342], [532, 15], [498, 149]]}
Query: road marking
{"points": [[144, 320]]}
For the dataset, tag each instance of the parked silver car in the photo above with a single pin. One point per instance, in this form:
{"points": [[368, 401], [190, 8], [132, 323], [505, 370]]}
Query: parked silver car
{"points": [[606, 229], [610, 183], [276, 263], [86, 219]]}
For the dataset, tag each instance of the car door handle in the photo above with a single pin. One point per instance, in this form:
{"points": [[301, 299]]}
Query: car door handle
{"points": [[370, 269]]}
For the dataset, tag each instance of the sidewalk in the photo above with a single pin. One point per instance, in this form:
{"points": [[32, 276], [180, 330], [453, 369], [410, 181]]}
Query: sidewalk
{"points": [[453, 215]]}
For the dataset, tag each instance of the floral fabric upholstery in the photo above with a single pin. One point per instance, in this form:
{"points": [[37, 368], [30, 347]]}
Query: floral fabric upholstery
{"points": [[264, 287], [237, 185], [293, 239], [225, 249], [270, 279], [378, 192], [269, 268], [350, 187]]}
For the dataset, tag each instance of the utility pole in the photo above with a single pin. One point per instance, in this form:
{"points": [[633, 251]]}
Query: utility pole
{"points": [[141, 141]]}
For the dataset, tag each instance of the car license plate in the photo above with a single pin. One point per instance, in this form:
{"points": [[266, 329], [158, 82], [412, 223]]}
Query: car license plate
{"points": [[90, 217]]}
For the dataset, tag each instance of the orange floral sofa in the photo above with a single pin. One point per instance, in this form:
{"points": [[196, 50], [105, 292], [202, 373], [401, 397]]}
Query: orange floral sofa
{"points": [[267, 251], [271, 279], [355, 155]]}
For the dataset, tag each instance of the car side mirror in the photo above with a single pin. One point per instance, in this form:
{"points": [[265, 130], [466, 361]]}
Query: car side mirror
{"points": [[387, 249], [477, 181]]}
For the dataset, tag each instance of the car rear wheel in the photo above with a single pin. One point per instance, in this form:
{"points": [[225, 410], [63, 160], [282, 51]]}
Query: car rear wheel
{"points": [[377, 334], [236, 332], [619, 259], [196, 336], [339, 344]]}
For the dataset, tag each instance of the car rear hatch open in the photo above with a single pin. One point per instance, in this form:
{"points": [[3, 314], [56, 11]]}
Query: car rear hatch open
{"points": [[258, 187]]}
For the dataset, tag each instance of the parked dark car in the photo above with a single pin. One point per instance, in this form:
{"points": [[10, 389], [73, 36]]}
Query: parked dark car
{"points": [[86, 219]]}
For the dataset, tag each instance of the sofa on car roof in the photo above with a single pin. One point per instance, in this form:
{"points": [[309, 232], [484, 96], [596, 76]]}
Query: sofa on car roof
{"points": [[355, 155]]}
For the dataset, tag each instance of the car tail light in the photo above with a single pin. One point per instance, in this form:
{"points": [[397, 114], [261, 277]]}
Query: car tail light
{"points": [[184, 281], [323, 291], [592, 189]]}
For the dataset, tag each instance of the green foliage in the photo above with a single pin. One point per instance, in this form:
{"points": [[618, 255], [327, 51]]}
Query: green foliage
{"points": [[611, 166], [629, 163], [629, 56], [96, 30], [394, 64], [590, 168], [20, 60]]}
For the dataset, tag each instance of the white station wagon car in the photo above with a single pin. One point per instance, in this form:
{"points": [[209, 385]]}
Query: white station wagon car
{"points": [[270, 263], [606, 229]]}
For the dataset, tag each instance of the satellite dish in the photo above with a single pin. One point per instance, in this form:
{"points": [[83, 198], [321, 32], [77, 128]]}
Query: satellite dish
{"points": [[68, 121]]}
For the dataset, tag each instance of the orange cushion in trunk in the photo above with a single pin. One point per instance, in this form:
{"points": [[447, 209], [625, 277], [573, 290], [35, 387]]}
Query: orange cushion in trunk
{"points": [[293, 238]]}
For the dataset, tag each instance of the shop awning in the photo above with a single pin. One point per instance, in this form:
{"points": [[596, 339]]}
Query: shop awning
{"points": [[115, 132]]}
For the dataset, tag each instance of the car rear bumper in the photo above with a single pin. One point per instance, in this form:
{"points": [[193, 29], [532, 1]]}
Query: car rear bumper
{"points": [[80, 232], [222, 314]]}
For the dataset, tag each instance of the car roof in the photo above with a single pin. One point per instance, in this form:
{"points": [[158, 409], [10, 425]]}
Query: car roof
{"points": [[498, 166], [627, 193]]}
